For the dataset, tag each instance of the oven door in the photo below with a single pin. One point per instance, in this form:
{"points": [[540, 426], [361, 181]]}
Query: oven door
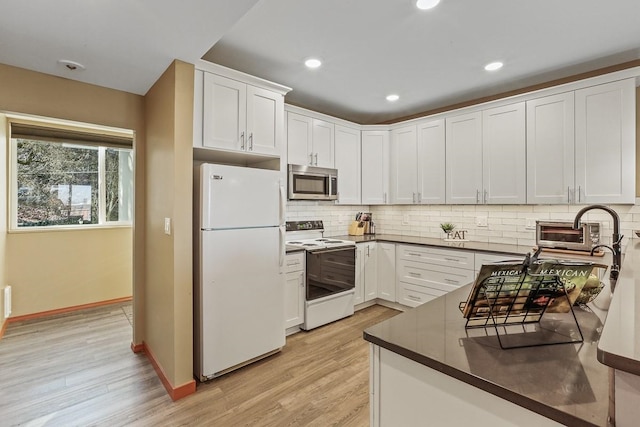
{"points": [[330, 271]]}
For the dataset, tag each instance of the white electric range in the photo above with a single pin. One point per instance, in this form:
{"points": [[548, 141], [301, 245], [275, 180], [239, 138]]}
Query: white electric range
{"points": [[330, 272]]}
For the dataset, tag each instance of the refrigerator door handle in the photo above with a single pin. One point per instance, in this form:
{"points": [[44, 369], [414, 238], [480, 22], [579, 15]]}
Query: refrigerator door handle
{"points": [[283, 202], [282, 247]]}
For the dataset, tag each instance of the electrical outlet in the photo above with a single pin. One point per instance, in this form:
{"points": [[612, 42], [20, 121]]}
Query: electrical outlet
{"points": [[481, 221], [405, 219], [531, 224], [167, 226]]}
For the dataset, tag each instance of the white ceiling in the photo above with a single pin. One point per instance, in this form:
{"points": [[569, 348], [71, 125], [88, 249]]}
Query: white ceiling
{"points": [[370, 48], [124, 45]]}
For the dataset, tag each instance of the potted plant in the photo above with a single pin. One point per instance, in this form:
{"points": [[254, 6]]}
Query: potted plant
{"points": [[448, 228]]}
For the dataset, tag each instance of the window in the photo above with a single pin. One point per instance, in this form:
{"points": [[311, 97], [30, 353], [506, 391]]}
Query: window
{"points": [[71, 179]]}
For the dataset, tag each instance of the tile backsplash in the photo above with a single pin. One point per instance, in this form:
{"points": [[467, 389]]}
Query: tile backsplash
{"points": [[505, 223]]}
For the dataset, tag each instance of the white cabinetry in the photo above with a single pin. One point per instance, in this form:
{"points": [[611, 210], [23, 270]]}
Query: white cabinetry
{"points": [[550, 149], [386, 271], [347, 162], [425, 273], [294, 289], [310, 141], [581, 146], [503, 154], [404, 167], [486, 156], [366, 272], [605, 143], [375, 167], [240, 117], [418, 163], [464, 158]]}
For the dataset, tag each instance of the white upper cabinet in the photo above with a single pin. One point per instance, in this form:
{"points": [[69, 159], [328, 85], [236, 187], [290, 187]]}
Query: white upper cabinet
{"points": [[347, 162], [240, 117], [299, 139], [375, 167], [605, 143], [464, 159], [550, 149], [431, 162], [310, 141], [418, 163], [404, 167], [503, 154], [486, 156]]}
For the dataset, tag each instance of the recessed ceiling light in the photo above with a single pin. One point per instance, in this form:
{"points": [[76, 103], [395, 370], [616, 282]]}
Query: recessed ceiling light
{"points": [[493, 66], [71, 65], [427, 4], [392, 97], [313, 63]]}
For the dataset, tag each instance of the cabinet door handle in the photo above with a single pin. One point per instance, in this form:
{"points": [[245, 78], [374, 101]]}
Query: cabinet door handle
{"points": [[242, 140], [251, 141], [311, 159], [419, 197], [414, 197], [568, 197], [316, 155], [477, 196], [579, 194], [484, 201], [368, 252], [384, 197], [302, 279]]}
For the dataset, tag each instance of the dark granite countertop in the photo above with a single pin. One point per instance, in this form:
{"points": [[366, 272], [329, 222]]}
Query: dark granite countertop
{"points": [[564, 382]]}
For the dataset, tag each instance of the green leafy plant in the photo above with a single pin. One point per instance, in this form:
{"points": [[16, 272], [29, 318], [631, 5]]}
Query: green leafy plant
{"points": [[447, 227]]}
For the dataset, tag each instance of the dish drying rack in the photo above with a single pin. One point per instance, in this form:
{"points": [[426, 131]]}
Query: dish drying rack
{"points": [[515, 306]]}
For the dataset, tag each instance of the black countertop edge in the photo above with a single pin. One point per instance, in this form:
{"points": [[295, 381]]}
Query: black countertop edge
{"points": [[293, 249], [518, 399], [618, 362]]}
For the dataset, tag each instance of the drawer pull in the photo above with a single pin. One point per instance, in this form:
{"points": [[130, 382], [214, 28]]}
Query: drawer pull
{"points": [[455, 282], [411, 297], [413, 254], [452, 259], [411, 273]]}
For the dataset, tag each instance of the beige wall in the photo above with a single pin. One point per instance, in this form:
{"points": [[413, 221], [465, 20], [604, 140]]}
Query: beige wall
{"points": [[56, 269], [29, 92], [169, 160]]}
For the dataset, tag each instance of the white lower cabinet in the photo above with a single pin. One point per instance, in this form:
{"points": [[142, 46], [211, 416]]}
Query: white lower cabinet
{"points": [[294, 289], [425, 273], [488, 258], [386, 271], [366, 272]]}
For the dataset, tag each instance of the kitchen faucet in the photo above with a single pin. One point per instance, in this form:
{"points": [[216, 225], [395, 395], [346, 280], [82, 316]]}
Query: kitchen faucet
{"points": [[616, 239]]}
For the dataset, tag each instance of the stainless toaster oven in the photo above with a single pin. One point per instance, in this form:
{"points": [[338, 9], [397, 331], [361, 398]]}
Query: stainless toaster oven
{"points": [[562, 235]]}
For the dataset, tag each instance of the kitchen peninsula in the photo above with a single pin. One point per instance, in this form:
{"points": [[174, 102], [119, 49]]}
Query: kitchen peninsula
{"points": [[425, 363]]}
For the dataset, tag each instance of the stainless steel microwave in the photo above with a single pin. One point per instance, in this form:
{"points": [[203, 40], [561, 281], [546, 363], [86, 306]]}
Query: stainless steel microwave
{"points": [[312, 183], [562, 235]]}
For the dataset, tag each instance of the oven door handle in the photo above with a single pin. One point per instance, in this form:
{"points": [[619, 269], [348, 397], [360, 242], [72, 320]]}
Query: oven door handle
{"points": [[326, 251]]}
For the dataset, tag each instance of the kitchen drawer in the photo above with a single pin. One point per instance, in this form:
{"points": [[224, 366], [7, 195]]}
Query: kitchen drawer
{"points": [[437, 256], [412, 295], [294, 262], [486, 258], [444, 279]]}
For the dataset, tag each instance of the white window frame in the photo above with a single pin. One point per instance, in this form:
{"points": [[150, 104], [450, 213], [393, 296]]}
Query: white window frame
{"points": [[102, 196]]}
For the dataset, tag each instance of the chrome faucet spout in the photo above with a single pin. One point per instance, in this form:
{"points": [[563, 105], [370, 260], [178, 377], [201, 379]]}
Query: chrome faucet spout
{"points": [[616, 238]]}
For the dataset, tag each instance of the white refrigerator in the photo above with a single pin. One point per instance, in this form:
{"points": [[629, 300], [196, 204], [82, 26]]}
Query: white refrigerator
{"points": [[238, 285]]}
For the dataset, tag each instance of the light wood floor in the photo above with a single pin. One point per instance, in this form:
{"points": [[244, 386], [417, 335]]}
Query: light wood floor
{"points": [[78, 370]]}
